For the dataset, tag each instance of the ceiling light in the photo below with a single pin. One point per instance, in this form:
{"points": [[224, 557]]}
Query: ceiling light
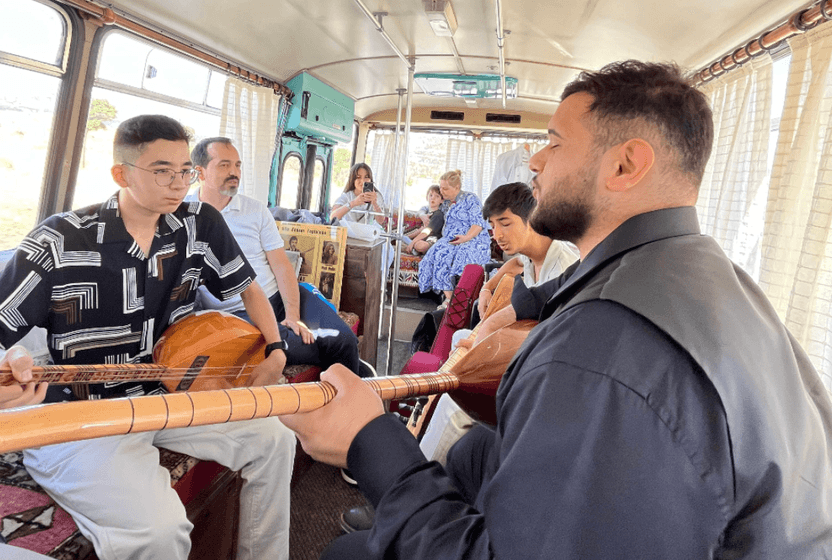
{"points": [[476, 86], [441, 17]]}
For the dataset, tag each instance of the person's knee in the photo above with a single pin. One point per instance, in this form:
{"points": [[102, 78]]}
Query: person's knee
{"points": [[168, 534], [163, 532]]}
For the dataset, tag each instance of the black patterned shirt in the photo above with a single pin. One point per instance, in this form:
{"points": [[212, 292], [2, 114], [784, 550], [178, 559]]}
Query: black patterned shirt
{"points": [[82, 277]]}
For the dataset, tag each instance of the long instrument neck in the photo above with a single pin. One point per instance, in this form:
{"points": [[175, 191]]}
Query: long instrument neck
{"points": [[72, 421]]}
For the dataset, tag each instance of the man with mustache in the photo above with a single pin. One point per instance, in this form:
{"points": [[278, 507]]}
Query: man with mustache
{"points": [[219, 166], [659, 410]]}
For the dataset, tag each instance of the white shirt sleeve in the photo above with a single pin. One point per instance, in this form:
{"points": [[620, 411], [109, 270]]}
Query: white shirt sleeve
{"points": [[269, 236]]}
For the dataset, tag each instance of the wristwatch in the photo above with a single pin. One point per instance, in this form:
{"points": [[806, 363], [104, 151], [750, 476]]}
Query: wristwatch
{"points": [[279, 345]]}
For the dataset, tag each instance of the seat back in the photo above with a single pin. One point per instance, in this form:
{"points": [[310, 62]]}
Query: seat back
{"points": [[458, 313]]}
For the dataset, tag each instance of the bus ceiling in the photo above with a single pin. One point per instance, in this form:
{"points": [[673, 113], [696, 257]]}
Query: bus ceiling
{"points": [[363, 47]]}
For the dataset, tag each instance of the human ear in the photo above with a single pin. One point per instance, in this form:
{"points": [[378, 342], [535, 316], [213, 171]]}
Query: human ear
{"points": [[201, 171], [117, 171], [632, 161]]}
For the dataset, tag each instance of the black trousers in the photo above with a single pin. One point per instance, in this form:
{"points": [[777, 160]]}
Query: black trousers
{"points": [[326, 350], [466, 467]]}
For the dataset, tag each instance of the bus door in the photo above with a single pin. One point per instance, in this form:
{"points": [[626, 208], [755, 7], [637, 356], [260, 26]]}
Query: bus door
{"points": [[300, 176]]}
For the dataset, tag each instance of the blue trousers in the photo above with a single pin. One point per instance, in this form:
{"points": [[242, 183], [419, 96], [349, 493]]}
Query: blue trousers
{"points": [[326, 350]]}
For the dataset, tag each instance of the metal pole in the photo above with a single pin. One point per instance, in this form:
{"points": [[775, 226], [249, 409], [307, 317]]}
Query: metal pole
{"points": [[400, 229], [376, 19], [396, 162], [500, 38]]}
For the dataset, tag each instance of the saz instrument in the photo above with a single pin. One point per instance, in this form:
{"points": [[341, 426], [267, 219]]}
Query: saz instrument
{"points": [[478, 372], [203, 351], [418, 421]]}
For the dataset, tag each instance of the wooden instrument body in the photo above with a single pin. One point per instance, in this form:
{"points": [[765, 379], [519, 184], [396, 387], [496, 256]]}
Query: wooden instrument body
{"points": [[204, 351], [478, 399], [209, 339]]}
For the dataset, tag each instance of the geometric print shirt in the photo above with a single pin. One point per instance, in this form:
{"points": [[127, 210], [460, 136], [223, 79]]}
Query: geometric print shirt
{"points": [[82, 277]]}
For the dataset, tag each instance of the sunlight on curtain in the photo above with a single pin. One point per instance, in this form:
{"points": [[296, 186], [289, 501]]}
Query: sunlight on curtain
{"points": [[476, 158], [249, 118], [383, 161], [732, 196], [796, 268]]}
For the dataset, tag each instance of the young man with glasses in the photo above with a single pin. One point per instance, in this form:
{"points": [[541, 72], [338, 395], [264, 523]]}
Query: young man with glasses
{"points": [[106, 281]]}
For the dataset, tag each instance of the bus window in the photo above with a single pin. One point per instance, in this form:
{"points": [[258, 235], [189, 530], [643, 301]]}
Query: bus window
{"points": [[342, 160], [136, 77], [33, 46], [317, 185], [290, 182]]}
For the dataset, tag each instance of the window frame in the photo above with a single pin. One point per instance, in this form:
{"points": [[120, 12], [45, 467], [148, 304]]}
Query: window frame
{"points": [[300, 159], [68, 72], [58, 70], [323, 187], [101, 38]]}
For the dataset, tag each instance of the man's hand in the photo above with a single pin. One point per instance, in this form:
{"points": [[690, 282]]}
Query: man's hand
{"points": [[327, 433], [299, 329], [269, 371], [20, 362]]}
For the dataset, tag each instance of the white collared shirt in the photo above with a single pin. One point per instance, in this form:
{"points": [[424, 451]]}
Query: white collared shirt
{"points": [[255, 230]]}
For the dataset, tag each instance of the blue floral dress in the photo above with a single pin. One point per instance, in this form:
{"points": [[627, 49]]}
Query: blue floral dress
{"points": [[443, 261]]}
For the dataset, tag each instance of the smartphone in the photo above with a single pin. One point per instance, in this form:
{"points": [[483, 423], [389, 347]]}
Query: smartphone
{"points": [[369, 186]]}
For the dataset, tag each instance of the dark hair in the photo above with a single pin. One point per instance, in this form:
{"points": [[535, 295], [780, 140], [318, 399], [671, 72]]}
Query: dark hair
{"points": [[134, 134], [293, 238], [434, 188], [659, 96], [199, 155], [354, 171], [516, 197]]}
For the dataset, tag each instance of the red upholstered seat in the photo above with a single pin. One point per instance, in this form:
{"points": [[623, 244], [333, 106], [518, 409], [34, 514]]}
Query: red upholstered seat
{"points": [[457, 316]]}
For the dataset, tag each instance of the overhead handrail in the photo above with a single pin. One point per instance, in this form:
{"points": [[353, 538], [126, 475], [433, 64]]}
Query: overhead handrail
{"points": [[376, 19]]}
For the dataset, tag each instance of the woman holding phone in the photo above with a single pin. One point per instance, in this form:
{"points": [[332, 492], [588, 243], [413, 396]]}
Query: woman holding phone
{"points": [[464, 238], [359, 198]]}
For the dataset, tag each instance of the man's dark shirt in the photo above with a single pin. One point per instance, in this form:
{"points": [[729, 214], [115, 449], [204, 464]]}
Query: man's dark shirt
{"points": [[611, 442], [82, 277]]}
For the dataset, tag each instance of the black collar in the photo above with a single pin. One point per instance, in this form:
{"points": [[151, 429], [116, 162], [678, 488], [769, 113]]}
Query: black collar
{"points": [[638, 230]]}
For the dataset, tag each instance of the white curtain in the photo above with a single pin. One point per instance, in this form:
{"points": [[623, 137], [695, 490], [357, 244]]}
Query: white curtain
{"points": [[732, 196], [249, 118], [383, 161], [476, 158], [796, 268]]}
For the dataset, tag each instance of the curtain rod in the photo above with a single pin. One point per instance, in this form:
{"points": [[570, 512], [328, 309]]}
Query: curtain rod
{"points": [[106, 16], [799, 22]]}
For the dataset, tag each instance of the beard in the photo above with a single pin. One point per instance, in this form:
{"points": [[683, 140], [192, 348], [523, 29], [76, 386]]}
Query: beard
{"points": [[230, 190], [562, 218]]}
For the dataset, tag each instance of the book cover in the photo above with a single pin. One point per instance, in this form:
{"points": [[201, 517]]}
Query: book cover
{"points": [[322, 250]]}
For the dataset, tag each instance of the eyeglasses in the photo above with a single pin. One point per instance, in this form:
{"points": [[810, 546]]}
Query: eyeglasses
{"points": [[165, 177]]}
